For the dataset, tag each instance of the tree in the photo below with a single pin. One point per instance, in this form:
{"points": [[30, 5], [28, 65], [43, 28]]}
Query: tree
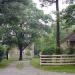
{"points": [[22, 18], [68, 16], [57, 20], [1, 53]]}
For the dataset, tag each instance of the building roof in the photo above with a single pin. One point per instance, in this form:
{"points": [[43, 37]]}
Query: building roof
{"points": [[70, 37]]}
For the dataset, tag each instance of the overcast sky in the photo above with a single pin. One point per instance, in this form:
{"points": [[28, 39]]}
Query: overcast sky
{"points": [[49, 9]]}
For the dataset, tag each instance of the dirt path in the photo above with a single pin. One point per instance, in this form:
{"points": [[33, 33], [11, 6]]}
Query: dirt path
{"points": [[27, 69]]}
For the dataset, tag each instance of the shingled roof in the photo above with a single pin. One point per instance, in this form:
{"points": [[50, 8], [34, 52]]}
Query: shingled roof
{"points": [[70, 37]]}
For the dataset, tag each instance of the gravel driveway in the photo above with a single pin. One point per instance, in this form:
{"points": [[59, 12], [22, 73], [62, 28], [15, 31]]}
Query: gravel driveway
{"points": [[28, 70]]}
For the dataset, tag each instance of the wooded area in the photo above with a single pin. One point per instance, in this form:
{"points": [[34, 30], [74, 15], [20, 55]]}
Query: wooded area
{"points": [[22, 23]]}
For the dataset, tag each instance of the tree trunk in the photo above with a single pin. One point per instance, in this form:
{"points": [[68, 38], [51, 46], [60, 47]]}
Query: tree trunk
{"points": [[7, 54], [20, 56], [58, 27]]}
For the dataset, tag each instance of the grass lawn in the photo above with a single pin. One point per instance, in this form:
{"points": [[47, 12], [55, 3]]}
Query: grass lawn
{"points": [[66, 68], [4, 63]]}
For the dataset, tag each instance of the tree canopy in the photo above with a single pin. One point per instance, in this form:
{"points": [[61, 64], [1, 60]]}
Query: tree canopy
{"points": [[69, 16], [21, 18]]}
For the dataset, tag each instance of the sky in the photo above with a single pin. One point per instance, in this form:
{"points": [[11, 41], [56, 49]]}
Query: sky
{"points": [[50, 9]]}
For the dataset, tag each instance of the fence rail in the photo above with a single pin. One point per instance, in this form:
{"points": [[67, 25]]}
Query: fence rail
{"points": [[57, 59]]}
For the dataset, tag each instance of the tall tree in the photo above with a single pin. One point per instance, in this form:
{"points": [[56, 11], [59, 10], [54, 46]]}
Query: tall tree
{"points": [[23, 18], [57, 18], [58, 27]]}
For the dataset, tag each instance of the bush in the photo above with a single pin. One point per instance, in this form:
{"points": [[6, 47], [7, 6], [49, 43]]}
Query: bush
{"points": [[48, 51], [1, 52], [58, 51], [70, 51]]}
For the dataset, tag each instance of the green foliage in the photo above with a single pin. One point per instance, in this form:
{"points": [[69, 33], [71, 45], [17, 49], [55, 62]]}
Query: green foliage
{"points": [[70, 51], [73, 30], [10, 40], [69, 15], [1, 52], [58, 51], [19, 17], [47, 42], [22, 16], [4, 63], [48, 51]]}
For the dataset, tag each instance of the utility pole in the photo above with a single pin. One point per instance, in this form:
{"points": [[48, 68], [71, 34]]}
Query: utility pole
{"points": [[57, 20], [58, 26]]}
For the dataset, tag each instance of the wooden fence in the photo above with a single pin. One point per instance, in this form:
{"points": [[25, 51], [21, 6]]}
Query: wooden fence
{"points": [[57, 59]]}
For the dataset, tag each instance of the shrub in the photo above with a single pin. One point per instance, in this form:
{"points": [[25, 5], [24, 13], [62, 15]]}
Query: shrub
{"points": [[70, 51], [48, 51], [58, 51], [1, 52]]}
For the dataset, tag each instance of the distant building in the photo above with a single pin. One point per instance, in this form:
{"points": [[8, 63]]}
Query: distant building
{"points": [[69, 41]]}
